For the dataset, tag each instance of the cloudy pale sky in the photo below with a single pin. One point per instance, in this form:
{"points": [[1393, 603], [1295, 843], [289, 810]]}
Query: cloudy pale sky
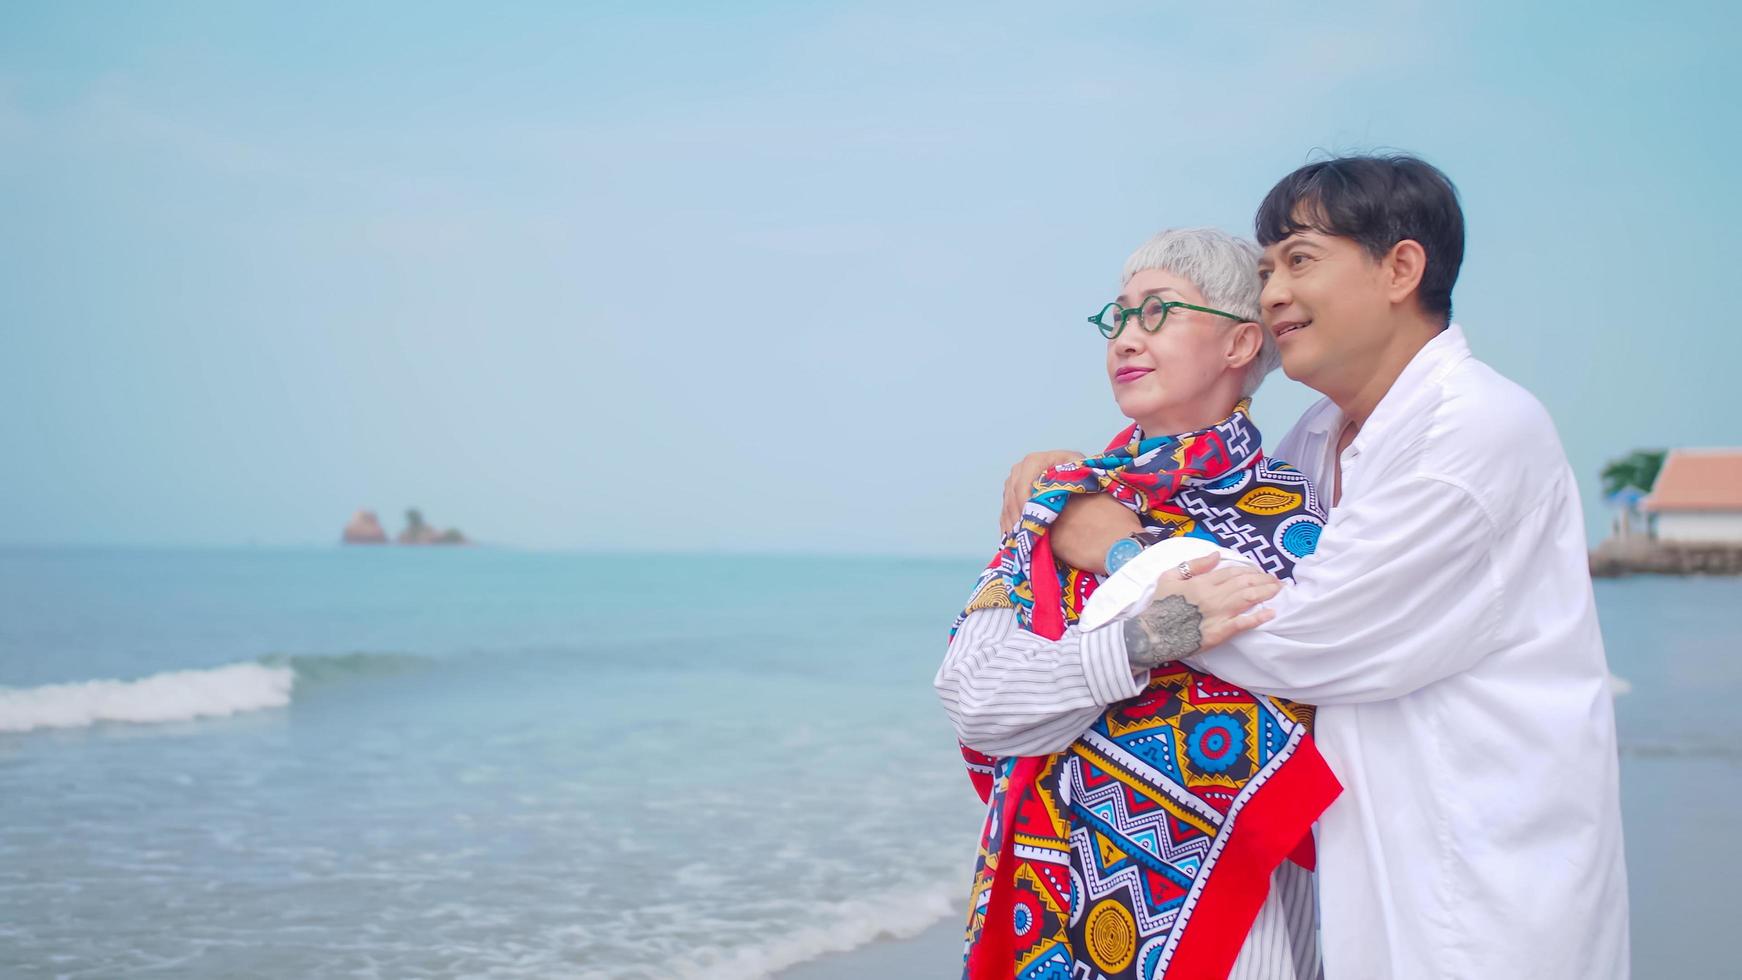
{"points": [[770, 276]]}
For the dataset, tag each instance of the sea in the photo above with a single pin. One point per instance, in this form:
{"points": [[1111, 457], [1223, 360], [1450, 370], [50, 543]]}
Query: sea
{"points": [[477, 762]]}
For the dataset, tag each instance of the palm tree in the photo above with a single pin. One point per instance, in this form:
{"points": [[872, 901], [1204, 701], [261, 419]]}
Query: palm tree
{"points": [[1638, 469]]}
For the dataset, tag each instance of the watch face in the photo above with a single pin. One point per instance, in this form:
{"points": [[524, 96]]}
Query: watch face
{"points": [[1123, 550]]}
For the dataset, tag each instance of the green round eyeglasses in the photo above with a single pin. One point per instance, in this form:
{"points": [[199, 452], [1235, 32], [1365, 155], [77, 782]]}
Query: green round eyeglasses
{"points": [[1151, 314]]}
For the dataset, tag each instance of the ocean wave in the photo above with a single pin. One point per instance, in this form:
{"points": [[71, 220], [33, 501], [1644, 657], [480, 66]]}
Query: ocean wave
{"points": [[313, 668], [188, 695], [841, 926], [180, 695]]}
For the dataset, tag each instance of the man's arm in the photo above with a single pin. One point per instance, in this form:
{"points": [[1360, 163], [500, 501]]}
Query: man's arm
{"points": [[1400, 593], [1087, 527]]}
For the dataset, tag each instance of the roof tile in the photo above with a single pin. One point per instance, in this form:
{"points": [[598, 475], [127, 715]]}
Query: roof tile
{"points": [[1698, 479]]}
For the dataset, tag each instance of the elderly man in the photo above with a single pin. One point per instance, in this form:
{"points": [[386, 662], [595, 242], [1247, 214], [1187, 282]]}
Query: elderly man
{"points": [[1143, 838]]}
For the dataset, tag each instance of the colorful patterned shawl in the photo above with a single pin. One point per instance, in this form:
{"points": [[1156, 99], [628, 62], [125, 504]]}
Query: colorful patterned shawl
{"points": [[1122, 857]]}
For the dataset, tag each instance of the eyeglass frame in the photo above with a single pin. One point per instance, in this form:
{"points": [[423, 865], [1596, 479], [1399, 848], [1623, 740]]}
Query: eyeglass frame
{"points": [[1167, 307]]}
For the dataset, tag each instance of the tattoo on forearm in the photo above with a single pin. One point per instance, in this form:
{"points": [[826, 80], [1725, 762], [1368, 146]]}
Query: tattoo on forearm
{"points": [[1167, 630]]}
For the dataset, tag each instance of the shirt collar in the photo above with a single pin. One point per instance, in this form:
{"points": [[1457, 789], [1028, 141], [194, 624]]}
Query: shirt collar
{"points": [[1437, 357]]}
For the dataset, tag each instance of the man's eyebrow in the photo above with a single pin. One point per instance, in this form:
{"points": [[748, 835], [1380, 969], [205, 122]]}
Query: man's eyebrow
{"points": [[1281, 248]]}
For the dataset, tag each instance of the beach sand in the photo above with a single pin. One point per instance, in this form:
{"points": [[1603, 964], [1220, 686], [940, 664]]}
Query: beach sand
{"points": [[935, 954]]}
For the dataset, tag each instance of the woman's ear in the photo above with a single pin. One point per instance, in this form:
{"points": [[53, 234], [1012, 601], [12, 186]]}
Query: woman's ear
{"points": [[1244, 343]]}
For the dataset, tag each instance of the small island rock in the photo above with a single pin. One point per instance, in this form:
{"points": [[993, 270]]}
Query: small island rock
{"points": [[364, 528], [418, 532]]}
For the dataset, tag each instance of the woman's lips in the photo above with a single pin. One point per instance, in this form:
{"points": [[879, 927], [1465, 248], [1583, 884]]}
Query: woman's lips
{"points": [[1125, 374]]}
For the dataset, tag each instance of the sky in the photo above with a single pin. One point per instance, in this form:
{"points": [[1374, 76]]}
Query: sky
{"points": [[772, 277]]}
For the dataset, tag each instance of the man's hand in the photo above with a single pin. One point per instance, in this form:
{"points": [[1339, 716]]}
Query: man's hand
{"points": [[1019, 485], [1192, 613]]}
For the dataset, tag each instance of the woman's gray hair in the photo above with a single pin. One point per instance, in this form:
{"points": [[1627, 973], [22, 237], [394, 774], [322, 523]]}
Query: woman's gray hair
{"points": [[1225, 269]]}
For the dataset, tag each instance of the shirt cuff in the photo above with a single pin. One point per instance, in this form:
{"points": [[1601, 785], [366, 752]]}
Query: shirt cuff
{"points": [[1107, 667]]}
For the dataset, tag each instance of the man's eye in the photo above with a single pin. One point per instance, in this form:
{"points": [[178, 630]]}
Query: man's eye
{"points": [[1296, 259]]}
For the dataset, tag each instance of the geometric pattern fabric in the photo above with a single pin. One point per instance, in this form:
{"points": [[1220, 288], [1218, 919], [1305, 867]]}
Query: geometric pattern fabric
{"points": [[1092, 861]]}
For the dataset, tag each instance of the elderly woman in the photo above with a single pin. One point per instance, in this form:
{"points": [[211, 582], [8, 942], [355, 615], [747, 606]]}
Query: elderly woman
{"points": [[1139, 812]]}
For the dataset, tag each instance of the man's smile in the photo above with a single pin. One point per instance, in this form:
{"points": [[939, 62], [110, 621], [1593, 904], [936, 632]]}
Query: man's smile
{"points": [[1287, 327]]}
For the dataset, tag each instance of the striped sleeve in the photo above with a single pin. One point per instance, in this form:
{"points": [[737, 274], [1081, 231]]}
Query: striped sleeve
{"points": [[1011, 692]]}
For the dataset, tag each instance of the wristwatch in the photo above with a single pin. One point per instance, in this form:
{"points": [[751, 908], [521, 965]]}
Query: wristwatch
{"points": [[1130, 546]]}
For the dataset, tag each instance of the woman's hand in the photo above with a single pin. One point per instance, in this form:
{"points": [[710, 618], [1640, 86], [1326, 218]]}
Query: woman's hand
{"points": [[1019, 485], [1195, 612]]}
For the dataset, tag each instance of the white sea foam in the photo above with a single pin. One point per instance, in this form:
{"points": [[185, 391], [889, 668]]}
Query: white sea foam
{"points": [[841, 926], [180, 695]]}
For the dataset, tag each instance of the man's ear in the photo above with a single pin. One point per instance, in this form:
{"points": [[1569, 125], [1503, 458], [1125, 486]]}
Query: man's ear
{"points": [[1244, 343], [1404, 266]]}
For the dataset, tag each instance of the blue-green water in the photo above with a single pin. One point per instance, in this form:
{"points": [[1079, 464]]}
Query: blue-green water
{"points": [[489, 763]]}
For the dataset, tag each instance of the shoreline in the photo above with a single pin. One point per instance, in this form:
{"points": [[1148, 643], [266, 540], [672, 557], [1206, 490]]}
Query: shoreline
{"points": [[1618, 557], [936, 951]]}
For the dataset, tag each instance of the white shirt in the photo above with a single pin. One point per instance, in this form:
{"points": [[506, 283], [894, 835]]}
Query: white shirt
{"points": [[1447, 630]]}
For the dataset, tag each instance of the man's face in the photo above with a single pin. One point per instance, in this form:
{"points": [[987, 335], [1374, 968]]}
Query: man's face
{"points": [[1325, 301]]}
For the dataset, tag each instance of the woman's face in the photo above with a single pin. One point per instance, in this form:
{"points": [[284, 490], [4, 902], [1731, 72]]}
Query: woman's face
{"points": [[1185, 376]]}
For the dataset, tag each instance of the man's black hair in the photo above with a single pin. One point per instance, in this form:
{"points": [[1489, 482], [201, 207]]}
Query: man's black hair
{"points": [[1377, 201]]}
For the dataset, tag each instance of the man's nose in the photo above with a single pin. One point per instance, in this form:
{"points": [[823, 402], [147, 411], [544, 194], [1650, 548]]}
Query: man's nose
{"points": [[1275, 295]]}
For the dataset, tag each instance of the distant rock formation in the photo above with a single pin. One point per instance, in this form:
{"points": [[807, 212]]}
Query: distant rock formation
{"points": [[365, 528], [418, 532]]}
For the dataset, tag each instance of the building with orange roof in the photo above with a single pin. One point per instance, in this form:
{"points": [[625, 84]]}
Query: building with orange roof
{"points": [[1698, 497]]}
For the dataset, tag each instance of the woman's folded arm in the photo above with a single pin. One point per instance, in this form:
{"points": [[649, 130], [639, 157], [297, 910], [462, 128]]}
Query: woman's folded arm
{"points": [[1011, 692]]}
